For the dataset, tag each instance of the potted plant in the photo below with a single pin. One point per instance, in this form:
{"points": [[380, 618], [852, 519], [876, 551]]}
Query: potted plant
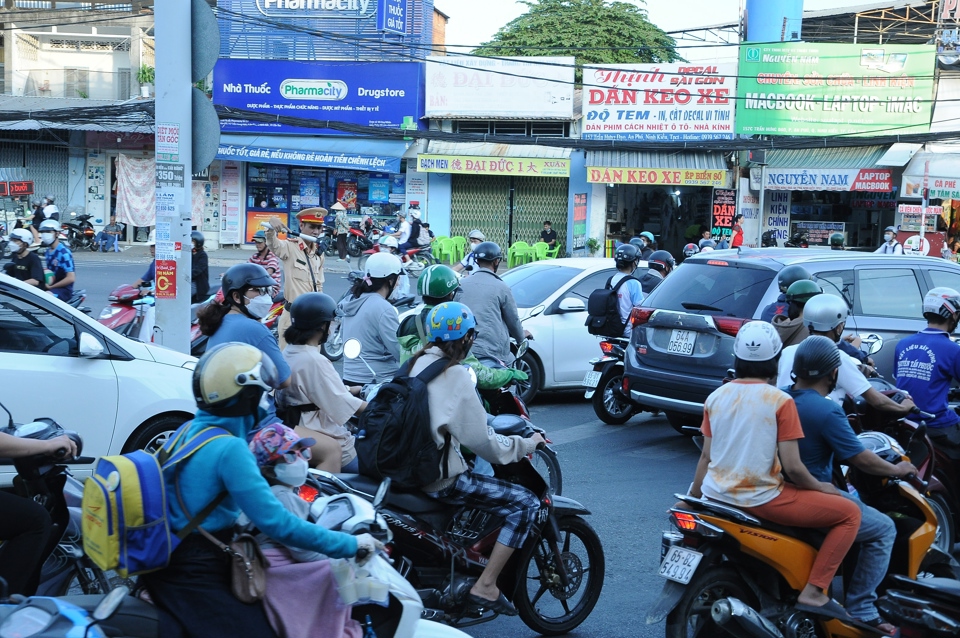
{"points": [[593, 246], [145, 76]]}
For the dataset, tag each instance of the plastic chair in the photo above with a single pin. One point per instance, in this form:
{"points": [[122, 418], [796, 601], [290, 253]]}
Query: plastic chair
{"points": [[461, 244], [448, 250], [518, 253], [552, 254], [539, 251], [435, 246]]}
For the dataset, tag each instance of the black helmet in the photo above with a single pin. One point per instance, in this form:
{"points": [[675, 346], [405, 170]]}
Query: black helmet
{"points": [[311, 310], [487, 251], [803, 291], [768, 239], [636, 241], [242, 276], [661, 260], [790, 274], [816, 358], [197, 238], [836, 239], [626, 254]]}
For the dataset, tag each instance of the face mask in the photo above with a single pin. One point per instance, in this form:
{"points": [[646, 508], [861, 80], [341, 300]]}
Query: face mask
{"points": [[888, 237], [292, 474], [259, 306], [47, 238], [19, 247]]}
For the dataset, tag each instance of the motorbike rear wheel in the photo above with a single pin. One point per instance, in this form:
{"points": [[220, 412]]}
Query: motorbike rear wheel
{"points": [[691, 617], [610, 407], [946, 530], [87, 578], [566, 607], [333, 348], [354, 248]]}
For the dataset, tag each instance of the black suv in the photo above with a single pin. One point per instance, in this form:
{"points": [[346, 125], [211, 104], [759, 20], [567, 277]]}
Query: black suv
{"points": [[682, 343]]}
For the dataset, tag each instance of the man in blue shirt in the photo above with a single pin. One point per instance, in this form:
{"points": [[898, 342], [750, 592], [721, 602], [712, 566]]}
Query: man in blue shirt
{"points": [[59, 261], [927, 363], [829, 437]]}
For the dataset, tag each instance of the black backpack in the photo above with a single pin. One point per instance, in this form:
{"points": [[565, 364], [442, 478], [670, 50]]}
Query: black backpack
{"points": [[603, 310], [395, 438]]}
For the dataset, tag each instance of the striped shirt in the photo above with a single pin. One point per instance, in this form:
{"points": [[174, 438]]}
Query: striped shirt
{"points": [[269, 262]]}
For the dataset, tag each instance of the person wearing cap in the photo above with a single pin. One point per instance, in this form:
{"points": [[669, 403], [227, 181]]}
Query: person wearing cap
{"points": [[342, 225], [302, 262], [265, 257], [475, 238], [282, 457]]}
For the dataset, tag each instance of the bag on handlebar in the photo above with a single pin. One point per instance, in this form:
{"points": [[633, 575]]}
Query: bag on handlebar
{"points": [[124, 510], [396, 441]]}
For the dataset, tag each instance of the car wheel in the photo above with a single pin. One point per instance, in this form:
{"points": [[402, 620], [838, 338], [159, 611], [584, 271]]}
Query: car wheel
{"points": [[680, 420], [153, 434], [528, 389]]}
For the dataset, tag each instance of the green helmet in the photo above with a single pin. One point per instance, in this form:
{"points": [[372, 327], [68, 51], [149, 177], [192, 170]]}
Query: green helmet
{"points": [[803, 291], [836, 239], [437, 281]]}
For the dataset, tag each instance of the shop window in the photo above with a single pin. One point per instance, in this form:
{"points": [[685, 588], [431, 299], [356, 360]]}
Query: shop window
{"points": [[838, 283], [876, 286], [474, 126], [509, 128], [550, 129]]}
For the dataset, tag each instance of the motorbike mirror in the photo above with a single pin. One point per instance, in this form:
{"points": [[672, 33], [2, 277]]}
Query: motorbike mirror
{"points": [[382, 493], [110, 603], [871, 343], [536, 311], [90, 346], [351, 349]]}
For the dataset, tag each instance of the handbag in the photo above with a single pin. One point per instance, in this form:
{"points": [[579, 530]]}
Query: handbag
{"points": [[248, 566]]}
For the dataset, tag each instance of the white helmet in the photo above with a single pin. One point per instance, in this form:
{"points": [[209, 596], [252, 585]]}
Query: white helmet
{"points": [[22, 234], [477, 234], [382, 265], [415, 213], [152, 238], [825, 312], [757, 341], [944, 302], [50, 225], [390, 241], [706, 249]]}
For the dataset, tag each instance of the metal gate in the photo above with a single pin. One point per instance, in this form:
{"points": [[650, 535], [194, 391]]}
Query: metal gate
{"points": [[484, 202], [46, 165]]}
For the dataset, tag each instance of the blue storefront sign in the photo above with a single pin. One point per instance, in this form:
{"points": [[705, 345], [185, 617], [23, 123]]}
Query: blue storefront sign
{"points": [[379, 189], [377, 94], [392, 16]]}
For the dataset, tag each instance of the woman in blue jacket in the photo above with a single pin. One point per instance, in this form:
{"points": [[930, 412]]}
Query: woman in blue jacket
{"points": [[228, 384]]}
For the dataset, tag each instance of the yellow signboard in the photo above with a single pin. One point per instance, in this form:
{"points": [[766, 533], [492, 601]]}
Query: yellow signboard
{"points": [[656, 176], [523, 166]]}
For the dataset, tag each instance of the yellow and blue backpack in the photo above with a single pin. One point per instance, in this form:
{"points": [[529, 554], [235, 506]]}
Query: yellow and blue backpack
{"points": [[124, 510]]}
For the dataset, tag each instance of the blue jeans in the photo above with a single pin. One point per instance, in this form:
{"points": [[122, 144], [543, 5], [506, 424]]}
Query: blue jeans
{"points": [[876, 536], [107, 241]]}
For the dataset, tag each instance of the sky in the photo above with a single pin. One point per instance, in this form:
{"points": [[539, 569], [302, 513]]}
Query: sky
{"points": [[476, 21]]}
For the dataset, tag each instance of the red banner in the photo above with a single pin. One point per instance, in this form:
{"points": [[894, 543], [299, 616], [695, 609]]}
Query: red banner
{"points": [[166, 279]]}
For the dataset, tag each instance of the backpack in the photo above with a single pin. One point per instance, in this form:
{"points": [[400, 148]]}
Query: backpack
{"points": [[124, 509], [603, 310], [424, 238], [395, 438]]}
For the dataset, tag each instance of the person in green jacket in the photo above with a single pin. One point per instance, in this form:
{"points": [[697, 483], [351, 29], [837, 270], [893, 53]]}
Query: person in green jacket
{"points": [[437, 284]]}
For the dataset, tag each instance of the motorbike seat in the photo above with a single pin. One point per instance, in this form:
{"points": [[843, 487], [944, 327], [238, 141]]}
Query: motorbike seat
{"points": [[414, 502], [134, 617], [811, 536], [509, 424]]}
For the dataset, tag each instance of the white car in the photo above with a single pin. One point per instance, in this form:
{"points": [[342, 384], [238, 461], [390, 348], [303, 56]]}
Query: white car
{"points": [[561, 347], [57, 362]]}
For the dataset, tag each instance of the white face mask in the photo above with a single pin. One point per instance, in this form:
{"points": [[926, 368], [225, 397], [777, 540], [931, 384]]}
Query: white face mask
{"points": [[888, 237], [292, 474], [47, 238], [19, 247], [259, 306]]}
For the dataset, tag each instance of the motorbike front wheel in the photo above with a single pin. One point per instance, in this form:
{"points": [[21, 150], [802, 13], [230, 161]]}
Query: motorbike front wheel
{"points": [[544, 461], [608, 403], [946, 532], [87, 578], [354, 248], [545, 605], [691, 617]]}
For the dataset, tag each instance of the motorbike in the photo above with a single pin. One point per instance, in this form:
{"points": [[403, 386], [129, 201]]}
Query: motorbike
{"points": [[47, 480], [798, 239], [77, 298], [768, 239], [922, 608], [605, 384], [80, 233], [414, 260], [130, 306], [441, 550], [357, 240], [726, 568]]}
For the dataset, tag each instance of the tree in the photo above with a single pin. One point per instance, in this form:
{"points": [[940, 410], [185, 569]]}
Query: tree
{"points": [[594, 31]]}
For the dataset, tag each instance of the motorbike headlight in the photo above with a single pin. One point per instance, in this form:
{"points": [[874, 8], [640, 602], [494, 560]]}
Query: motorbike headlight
{"points": [[26, 621], [883, 445], [109, 311]]}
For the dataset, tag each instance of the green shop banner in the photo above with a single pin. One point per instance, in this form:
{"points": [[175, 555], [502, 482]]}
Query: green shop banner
{"points": [[798, 88]]}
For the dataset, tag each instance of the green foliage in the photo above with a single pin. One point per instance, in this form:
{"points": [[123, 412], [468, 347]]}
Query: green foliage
{"points": [[146, 74], [594, 31], [594, 245]]}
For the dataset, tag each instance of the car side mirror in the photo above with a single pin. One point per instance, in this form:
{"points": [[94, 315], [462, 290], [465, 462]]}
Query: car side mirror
{"points": [[90, 346], [572, 304]]}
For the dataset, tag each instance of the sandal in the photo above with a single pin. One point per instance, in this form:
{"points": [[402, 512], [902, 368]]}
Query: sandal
{"points": [[501, 605], [834, 610]]}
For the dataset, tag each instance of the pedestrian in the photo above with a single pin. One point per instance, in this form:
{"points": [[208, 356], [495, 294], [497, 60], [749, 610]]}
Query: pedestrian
{"points": [[302, 262], [199, 270], [265, 257], [109, 237], [59, 261], [342, 224], [737, 240], [548, 235]]}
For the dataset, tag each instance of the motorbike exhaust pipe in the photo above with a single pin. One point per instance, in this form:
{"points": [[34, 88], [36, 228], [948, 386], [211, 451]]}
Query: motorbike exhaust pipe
{"points": [[742, 620]]}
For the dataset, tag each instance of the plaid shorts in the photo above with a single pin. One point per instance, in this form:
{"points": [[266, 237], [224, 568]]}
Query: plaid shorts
{"points": [[517, 505]]}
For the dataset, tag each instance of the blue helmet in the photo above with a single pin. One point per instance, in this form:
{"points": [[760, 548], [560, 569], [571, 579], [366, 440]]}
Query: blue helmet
{"points": [[449, 321], [648, 235]]}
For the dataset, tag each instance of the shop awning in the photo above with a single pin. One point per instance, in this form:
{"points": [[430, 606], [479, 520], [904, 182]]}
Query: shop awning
{"points": [[361, 154], [839, 157], [682, 168], [853, 168], [943, 180], [484, 158]]}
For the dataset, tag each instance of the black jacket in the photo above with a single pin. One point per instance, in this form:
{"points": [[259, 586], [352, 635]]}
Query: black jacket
{"points": [[200, 276]]}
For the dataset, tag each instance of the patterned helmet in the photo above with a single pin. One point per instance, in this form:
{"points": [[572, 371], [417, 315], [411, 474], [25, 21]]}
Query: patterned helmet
{"points": [[449, 321], [276, 442], [757, 341], [942, 301], [690, 250]]}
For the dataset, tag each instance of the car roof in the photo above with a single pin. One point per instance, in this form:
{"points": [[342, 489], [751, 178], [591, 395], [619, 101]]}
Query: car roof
{"points": [[581, 263], [777, 258]]}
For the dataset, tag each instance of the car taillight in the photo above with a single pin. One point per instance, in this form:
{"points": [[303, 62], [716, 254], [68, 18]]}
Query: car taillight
{"points": [[640, 316], [308, 493], [729, 325], [606, 346]]}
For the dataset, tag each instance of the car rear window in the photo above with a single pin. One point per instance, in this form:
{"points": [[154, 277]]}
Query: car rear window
{"points": [[532, 284], [702, 288]]}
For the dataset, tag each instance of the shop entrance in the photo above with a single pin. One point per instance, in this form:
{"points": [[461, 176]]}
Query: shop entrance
{"points": [[484, 202], [674, 216]]}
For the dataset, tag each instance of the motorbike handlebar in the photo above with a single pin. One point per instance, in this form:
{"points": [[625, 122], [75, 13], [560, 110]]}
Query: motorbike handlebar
{"points": [[917, 482], [926, 416]]}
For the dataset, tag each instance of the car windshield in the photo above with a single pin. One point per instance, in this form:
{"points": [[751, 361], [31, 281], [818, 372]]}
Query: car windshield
{"points": [[532, 284], [723, 288]]}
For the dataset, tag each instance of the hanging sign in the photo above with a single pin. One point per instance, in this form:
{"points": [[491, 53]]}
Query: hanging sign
{"points": [[673, 176], [527, 166]]}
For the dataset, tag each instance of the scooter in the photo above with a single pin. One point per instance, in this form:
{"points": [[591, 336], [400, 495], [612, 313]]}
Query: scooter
{"points": [[357, 240], [719, 552], [604, 384], [414, 260], [80, 233], [923, 608]]}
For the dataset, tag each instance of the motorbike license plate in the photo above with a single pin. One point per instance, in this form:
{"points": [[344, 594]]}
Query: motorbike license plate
{"points": [[680, 564], [681, 342], [591, 379]]}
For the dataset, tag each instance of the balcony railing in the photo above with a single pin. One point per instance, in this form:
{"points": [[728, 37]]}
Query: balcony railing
{"points": [[75, 83]]}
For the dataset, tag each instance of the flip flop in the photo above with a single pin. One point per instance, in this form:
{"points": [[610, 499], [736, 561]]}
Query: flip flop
{"points": [[834, 610], [501, 605]]}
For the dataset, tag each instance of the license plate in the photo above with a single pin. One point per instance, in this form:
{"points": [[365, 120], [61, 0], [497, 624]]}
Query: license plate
{"points": [[591, 379], [680, 564], [681, 342]]}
